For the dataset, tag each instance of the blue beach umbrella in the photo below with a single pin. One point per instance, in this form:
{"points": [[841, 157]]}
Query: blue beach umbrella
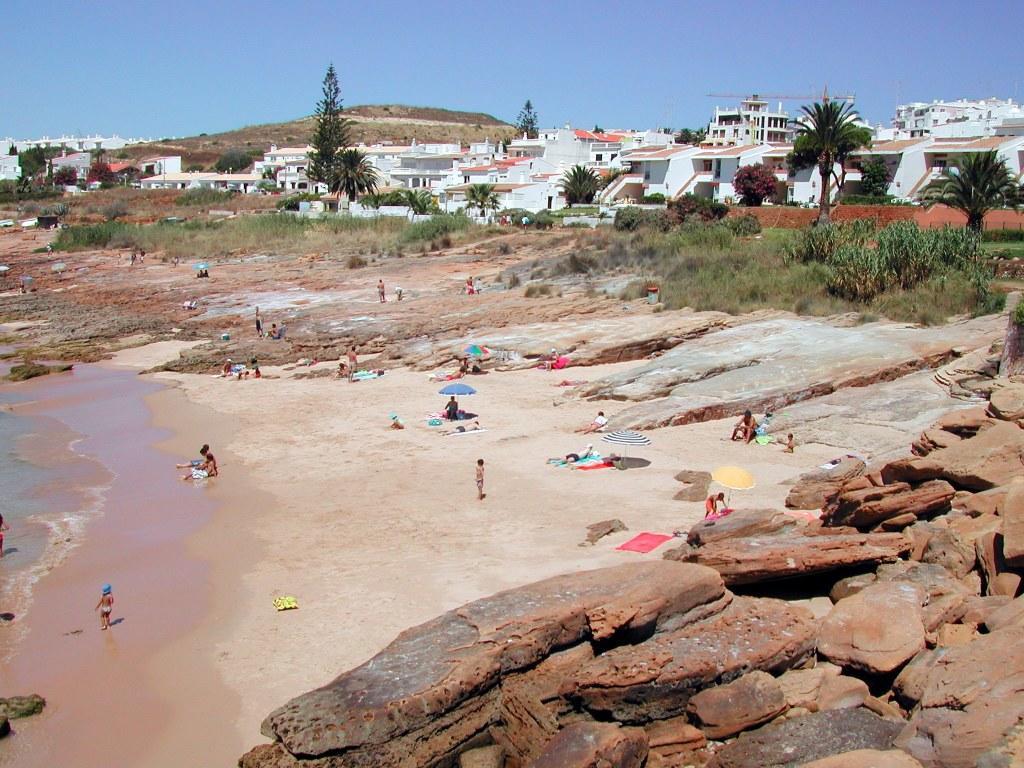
{"points": [[458, 388]]}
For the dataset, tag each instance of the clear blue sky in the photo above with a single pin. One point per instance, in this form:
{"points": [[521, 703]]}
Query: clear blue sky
{"points": [[180, 67]]}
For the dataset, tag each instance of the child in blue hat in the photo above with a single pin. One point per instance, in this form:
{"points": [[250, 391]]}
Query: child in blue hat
{"points": [[105, 606]]}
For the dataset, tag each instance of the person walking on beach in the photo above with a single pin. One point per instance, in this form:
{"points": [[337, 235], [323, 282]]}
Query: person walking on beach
{"points": [[259, 324], [105, 606], [353, 361], [381, 292], [480, 480], [3, 527]]}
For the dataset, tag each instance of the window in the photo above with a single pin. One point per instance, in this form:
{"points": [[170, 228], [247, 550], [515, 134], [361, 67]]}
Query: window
{"points": [[600, 157]]}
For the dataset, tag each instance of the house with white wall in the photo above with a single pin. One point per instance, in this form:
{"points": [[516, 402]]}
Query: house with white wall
{"points": [[79, 162], [960, 118], [233, 182], [10, 170], [154, 166], [752, 122]]}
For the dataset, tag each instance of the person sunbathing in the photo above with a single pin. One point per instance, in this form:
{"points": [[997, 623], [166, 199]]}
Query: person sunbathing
{"points": [[462, 430], [745, 429], [586, 453], [596, 425]]}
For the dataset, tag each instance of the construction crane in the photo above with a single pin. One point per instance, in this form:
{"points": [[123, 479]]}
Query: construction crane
{"points": [[824, 96]]}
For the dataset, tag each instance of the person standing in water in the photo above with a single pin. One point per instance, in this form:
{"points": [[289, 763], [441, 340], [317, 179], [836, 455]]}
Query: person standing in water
{"points": [[3, 527], [105, 606]]}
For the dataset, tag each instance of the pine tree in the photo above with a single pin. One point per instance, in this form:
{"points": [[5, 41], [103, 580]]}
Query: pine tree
{"points": [[331, 135], [527, 121]]}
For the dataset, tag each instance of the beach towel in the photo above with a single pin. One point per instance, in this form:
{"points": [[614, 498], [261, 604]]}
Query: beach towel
{"points": [[467, 432], [602, 465], [725, 512], [644, 542], [365, 375], [764, 439], [560, 363], [237, 368], [286, 603]]}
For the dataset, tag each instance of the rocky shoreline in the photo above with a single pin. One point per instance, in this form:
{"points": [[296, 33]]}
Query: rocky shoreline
{"points": [[898, 643]]}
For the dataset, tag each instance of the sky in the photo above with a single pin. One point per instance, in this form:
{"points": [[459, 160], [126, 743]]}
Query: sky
{"points": [[157, 69]]}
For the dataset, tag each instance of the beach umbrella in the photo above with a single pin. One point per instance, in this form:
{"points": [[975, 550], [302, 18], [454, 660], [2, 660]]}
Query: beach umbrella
{"points": [[201, 266], [733, 478], [457, 388], [475, 350], [626, 438]]}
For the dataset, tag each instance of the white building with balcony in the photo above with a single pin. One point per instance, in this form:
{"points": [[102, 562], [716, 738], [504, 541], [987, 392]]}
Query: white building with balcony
{"points": [[962, 118], [752, 122], [232, 182], [10, 170]]}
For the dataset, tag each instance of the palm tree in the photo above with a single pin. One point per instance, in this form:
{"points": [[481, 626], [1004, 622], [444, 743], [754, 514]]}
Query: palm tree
{"points": [[580, 185], [483, 197], [828, 131], [355, 174], [419, 200], [977, 184]]}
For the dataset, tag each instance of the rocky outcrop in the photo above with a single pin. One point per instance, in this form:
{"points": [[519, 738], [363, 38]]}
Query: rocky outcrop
{"points": [[656, 679], [696, 485], [597, 531], [866, 758], [804, 739], [865, 507], [822, 688], [766, 558], [768, 364], [969, 698], [674, 741], [1013, 523], [594, 745], [436, 687], [813, 490], [1007, 402], [740, 523], [876, 630], [16, 707], [728, 709]]}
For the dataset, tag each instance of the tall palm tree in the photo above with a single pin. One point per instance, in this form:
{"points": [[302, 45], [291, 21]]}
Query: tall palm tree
{"points": [[419, 200], [975, 185], [482, 197], [356, 175], [828, 131], [580, 184]]}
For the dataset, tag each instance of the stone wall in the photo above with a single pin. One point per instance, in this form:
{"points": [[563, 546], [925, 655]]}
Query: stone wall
{"points": [[788, 217]]}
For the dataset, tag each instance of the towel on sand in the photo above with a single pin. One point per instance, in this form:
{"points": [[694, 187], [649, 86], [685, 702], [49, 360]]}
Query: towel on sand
{"points": [[644, 542]]}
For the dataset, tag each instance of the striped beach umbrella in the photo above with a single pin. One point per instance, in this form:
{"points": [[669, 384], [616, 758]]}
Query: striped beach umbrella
{"points": [[626, 438]]}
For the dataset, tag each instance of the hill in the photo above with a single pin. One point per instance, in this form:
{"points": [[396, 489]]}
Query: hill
{"points": [[387, 123]]}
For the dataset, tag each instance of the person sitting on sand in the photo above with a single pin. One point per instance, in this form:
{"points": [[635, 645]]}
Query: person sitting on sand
{"points": [[711, 505], [596, 425], [451, 409], [342, 370], [396, 423], [790, 445], [745, 429], [464, 366], [226, 370], [207, 467]]}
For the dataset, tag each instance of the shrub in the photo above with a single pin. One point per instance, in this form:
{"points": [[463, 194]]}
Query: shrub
{"points": [[656, 199], [538, 289], [873, 200], [1018, 313], [60, 210], [291, 203], [395, 197], [542, 220], [1003, 236], [436, 226], [355, 261], [820, 243], [65, 177], [714, 236], [233, 161], [203, 196], [682, 208], [631, 218], [88, 236], [745, 225], [754, 183], [116, 210]]}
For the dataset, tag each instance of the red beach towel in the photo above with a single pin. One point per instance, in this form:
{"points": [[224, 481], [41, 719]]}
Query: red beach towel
{"points": [[601, 465], [644, 542]]}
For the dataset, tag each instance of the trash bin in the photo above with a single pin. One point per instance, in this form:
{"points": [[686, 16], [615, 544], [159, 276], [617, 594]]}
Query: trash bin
{"points": [[652, 294]]}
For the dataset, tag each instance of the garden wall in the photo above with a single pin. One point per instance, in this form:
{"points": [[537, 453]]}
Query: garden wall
{"points": [[788, 217]]}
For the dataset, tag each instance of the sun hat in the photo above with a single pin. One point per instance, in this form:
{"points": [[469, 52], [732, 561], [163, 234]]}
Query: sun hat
{"points": [[107, 589]]}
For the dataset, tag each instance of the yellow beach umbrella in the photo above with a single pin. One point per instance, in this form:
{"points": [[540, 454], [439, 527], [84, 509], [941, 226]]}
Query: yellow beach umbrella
{"points": [[733, 478]]}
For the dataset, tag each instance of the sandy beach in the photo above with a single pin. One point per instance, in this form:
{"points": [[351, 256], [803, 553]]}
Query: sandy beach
{"points": [[373, 530]]}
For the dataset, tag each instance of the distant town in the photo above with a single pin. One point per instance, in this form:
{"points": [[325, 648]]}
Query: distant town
{"points": [[636, 167]]}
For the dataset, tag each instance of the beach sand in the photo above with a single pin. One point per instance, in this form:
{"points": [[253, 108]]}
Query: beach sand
{"points": [[373, 530]]}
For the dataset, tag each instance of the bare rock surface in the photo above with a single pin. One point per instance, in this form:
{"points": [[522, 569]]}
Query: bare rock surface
{"points": [[815, 489], [1013, 523], [766, 558], [655, 679], [594, 745], [728, 709], [866, 758], [970, 698], [876, 630], [865, 508], [990, 459], [740, 523], [1007, 402], [768, 364], [696, 485], [435, 686], [597, 531], [804, 739]]}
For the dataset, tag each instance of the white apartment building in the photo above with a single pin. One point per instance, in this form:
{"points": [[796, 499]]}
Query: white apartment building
{"points": [[752, 122], [76, 143], [78, 161], [154, 166], [962, 118], [235, 182], [10, 170]]}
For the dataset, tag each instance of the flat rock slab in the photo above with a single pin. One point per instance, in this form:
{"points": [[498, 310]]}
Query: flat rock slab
{"points": [[594, 745], [739, 523], [866, 758], [767, 558], [1013, 523], [865, 508], [876, 630], [1007, 402], [803, 739], [435, 686], [971, 698], [587, 341], [768, 364], [728, 709], [655, 679], [597, 531], [813, 490]]}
